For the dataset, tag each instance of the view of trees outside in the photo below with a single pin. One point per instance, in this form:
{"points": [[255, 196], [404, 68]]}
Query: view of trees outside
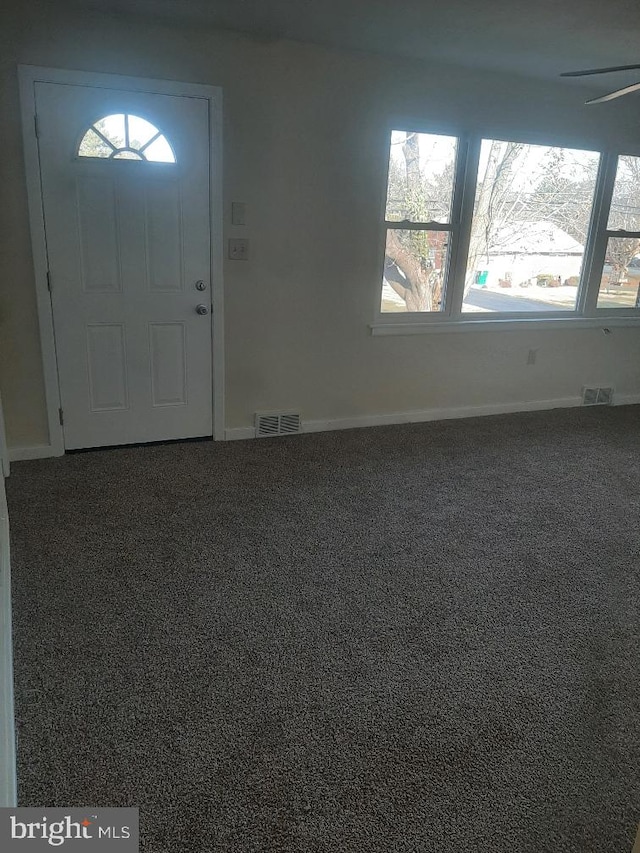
{"points": [[531, 217], [622, 261], [126, 137], [420, 190], [93, 145]]}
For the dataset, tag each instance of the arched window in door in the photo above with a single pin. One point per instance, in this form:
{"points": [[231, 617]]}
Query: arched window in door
{"points": [[124, 136]]}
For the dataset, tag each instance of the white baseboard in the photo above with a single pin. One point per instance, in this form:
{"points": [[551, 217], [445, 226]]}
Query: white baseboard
{"points": [[443, 414], [7, 727], [43, 451], [239, 433], [416, 416], [36, 451], [626, 399]]}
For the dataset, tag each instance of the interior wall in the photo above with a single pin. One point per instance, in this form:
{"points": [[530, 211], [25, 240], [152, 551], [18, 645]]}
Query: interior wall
{"points": [[305, 133]]}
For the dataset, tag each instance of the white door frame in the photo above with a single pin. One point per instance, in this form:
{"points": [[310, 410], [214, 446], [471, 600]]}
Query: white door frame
{"points": [[28, 76]]}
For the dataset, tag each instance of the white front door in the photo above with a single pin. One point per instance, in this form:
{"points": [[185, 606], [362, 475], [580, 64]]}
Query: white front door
{"points": [[125, 190]]}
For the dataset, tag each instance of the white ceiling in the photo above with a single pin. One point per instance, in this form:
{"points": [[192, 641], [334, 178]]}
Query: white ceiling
{"points": [[537, 38]]}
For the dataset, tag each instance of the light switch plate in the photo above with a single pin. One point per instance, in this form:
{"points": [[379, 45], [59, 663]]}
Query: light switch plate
{"points": [[238, 249]]}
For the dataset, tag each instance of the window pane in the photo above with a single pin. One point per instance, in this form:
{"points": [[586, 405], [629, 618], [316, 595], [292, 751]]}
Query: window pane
{"points": [[621, 274], [112, 127], [530, 222], [126, 137], [415, 268], [93, 145], [140, 131], [126, 155], [159, 151], [421, 177], [625, 204]]}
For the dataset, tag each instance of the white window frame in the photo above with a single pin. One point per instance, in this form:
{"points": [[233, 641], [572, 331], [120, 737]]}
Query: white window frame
{"points": [[453, 227], [451, 319]]}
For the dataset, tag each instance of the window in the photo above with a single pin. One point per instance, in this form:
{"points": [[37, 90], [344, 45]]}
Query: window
{"points": [[621, 269], [529, 228], [418, 220], [498, 230], [126, 137]]}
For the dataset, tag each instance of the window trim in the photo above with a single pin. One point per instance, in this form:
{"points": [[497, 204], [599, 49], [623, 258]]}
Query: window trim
{"points": [[504, 325], [92, 128], [586, 314]]}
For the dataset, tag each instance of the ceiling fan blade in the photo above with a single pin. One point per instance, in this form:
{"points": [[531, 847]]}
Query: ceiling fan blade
{"points": [[618, 93], [599, 70]]}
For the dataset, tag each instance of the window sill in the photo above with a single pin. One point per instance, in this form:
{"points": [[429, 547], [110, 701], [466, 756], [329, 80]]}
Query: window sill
{"points": [[385, 328]]}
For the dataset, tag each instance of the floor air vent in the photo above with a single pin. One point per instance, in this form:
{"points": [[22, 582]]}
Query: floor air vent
{"points": [[283, 423], [597, 396]]}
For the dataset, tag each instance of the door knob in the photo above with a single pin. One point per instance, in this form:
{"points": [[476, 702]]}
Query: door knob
{"points": [[202, 309]]}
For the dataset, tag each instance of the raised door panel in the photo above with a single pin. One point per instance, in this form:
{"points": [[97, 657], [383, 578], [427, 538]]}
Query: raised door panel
{"points": [[163, 220], [98, 234], [107, 363], [168, 364]]}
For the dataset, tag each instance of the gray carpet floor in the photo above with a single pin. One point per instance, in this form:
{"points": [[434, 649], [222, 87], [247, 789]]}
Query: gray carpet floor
{"points": [[417, 638]]}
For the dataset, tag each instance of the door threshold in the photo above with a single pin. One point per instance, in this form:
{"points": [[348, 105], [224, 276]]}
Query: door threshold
{"points": [[199, 438]]}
